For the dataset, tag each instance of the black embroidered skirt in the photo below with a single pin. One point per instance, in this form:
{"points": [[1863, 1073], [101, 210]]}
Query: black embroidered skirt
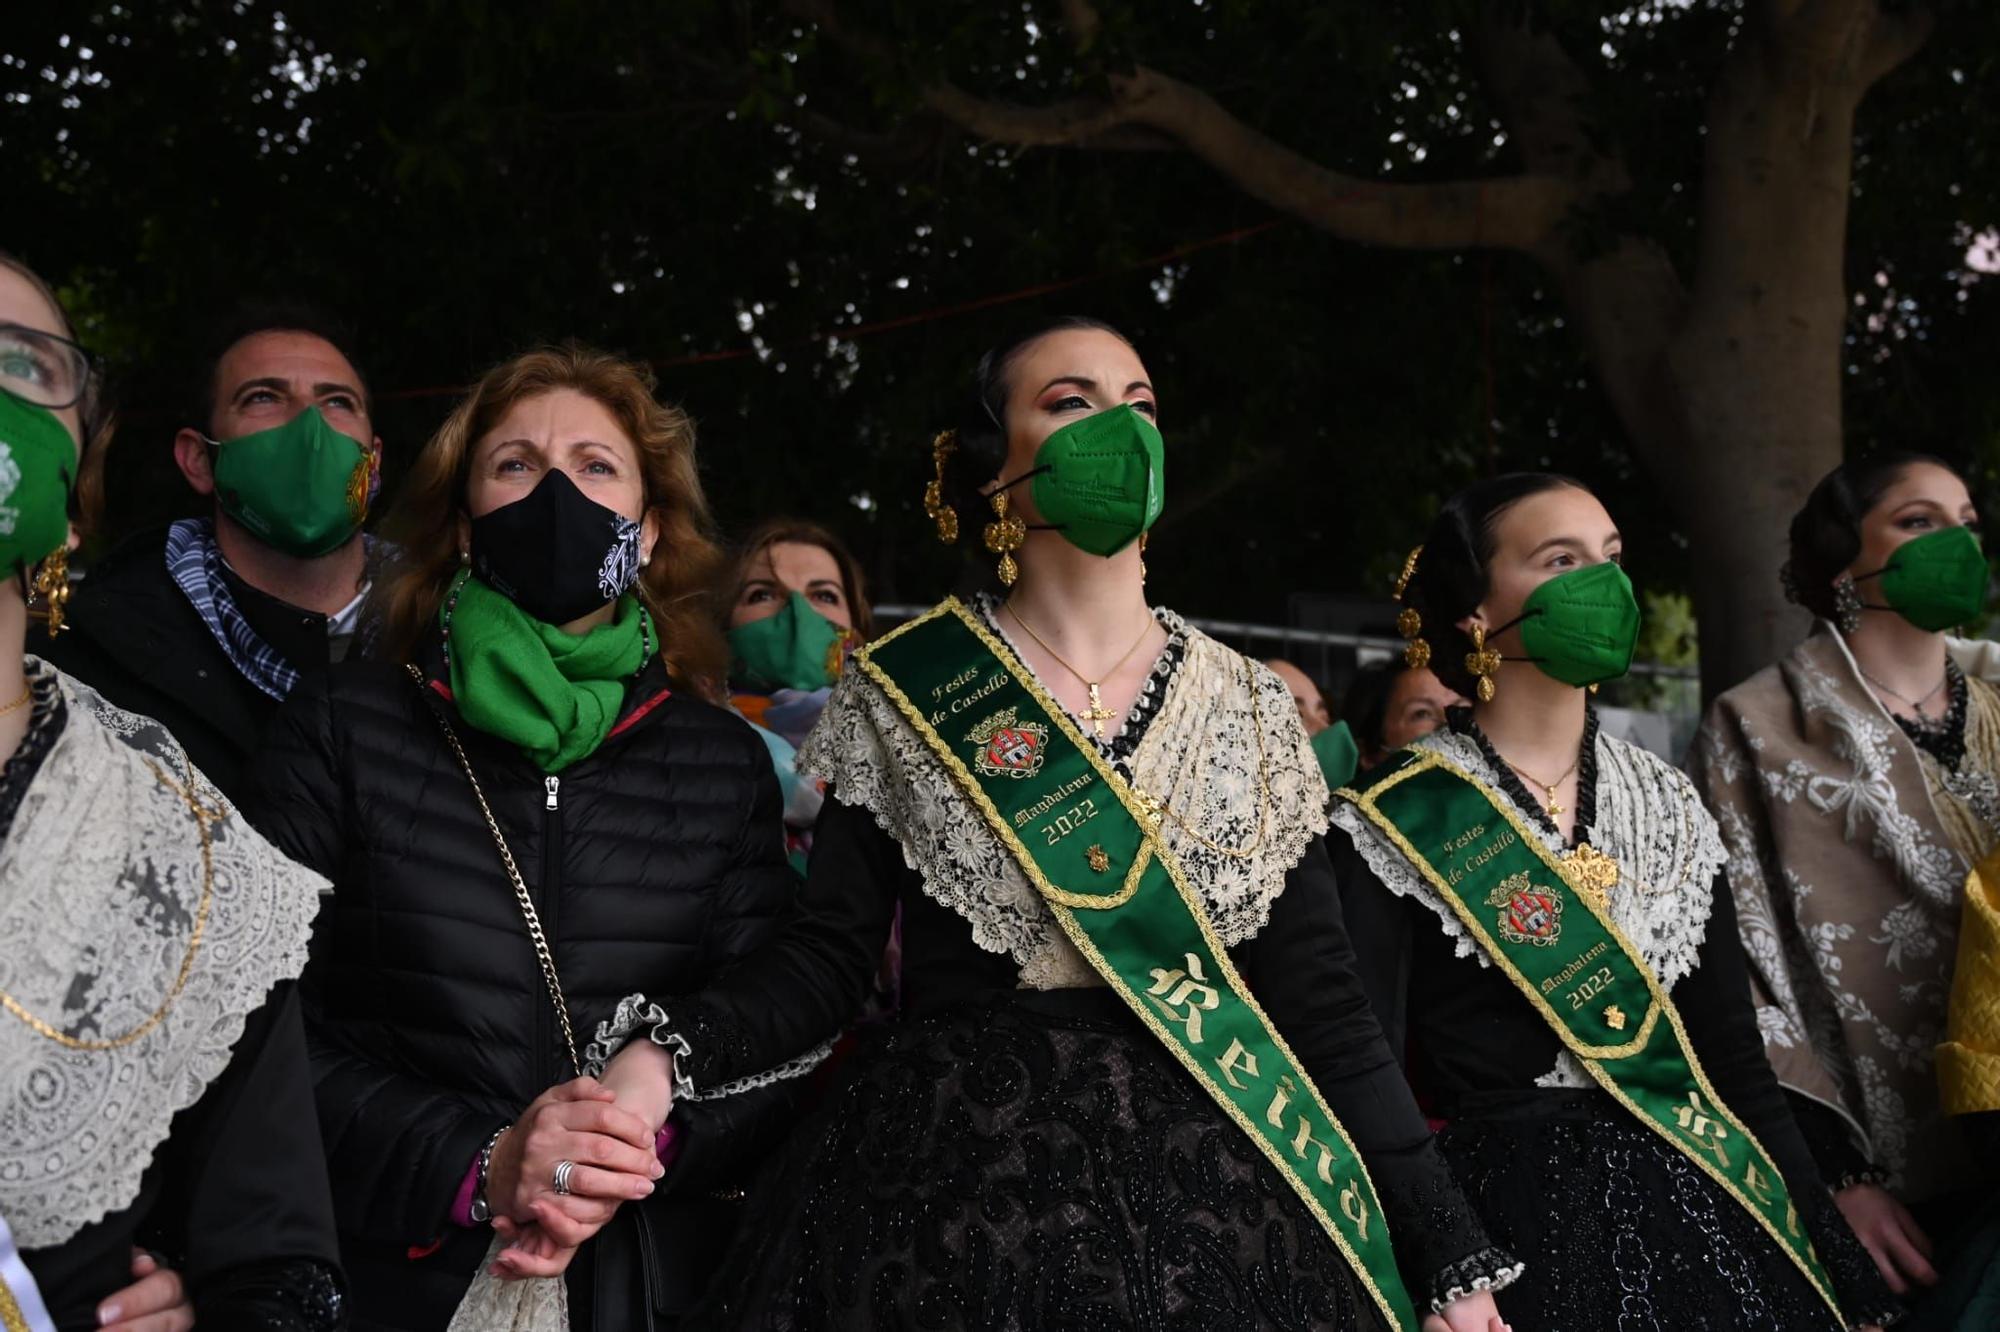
{"points": [[1035, 1161], [1620, 1232]]}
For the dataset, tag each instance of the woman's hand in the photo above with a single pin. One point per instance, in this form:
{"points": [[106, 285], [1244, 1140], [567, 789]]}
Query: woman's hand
{"points": [[642, 1077], [610, 1151], [531, 1250], [1891, 1235], [156, 1301], [1474, 1313]]}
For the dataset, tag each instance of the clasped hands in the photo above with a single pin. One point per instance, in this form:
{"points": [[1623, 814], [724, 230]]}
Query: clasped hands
{"points": [[606, 1129]]}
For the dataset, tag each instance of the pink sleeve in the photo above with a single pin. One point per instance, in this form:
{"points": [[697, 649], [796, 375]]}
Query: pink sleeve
{"points": [[461, 1206]]}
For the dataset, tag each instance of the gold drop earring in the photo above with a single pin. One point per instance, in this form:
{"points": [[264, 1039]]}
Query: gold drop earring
{"points": [[51, 590], [1481, 663], [1005, 535]]}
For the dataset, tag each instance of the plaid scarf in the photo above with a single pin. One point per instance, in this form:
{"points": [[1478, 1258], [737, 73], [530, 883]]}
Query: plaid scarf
{"points": [[195, 563]]}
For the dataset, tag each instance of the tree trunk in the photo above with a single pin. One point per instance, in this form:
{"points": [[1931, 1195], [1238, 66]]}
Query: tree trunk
{"points": [[1755, 366]]}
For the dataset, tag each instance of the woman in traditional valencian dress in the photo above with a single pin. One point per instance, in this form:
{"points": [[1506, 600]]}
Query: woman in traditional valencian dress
{"points": [[1538, 910], [1103, 829], [1857, 781], [153, 1082]]}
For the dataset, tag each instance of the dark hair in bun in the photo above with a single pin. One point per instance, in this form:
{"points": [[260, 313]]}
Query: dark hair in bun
{"points": [[1450, 578], [1826, 532]]}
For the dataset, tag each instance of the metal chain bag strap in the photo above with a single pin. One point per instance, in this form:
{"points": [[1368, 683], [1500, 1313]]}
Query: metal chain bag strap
{"points": [[527, 904]]}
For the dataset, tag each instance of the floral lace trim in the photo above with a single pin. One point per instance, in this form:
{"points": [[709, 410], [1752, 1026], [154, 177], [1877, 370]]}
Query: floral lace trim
{"points": [[101, 881], [1199, 753], [1489, 1269], [1647, 818], [636, 1013]]}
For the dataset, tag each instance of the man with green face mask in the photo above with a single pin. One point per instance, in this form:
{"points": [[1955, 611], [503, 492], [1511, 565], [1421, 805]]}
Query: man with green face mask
{"points": [[210, 624]]}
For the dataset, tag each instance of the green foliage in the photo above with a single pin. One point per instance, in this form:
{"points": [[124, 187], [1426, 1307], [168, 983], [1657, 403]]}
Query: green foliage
{"points": [[464, 178]]}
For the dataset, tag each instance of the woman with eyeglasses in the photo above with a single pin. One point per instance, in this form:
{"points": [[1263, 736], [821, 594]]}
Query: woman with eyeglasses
{"points": [[153, 1080]]}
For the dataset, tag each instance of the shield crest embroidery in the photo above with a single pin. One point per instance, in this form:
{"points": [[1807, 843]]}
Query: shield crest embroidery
{"points": [[1006, 747], [1529, 913]]}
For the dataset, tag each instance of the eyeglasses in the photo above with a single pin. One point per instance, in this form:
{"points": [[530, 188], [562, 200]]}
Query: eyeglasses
{"points": [[41, 368]]}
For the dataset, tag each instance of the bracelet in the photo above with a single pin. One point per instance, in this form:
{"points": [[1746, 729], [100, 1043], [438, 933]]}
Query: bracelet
{"points": [[482, 1211]]}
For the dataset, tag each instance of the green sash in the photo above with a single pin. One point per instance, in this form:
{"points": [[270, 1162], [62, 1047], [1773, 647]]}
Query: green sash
{"points": [[1541, 920], [1090, 846]]}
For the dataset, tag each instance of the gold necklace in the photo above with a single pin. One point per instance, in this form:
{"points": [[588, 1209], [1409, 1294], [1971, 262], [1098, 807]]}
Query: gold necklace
{"points": [[1097, 713], [1548, 788], [27, 696], [202, 818]]}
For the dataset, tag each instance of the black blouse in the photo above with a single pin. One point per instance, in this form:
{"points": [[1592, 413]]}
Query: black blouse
{"points": [[1465, 1029], [234, 1199], [811, 981]]}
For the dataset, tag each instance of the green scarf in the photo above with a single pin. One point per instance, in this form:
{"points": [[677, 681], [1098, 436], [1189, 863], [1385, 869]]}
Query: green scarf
{"points": [[553, 694]]}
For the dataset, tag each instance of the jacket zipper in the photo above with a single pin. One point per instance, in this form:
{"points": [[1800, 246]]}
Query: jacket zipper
{"points": [[548, 1057]]}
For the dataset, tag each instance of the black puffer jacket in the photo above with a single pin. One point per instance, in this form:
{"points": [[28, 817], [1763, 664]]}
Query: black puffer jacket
{"points": [[652, 863]]}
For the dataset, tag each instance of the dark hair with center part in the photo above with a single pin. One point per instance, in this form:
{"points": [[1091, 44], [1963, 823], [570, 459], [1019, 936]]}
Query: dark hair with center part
{"points": [[982, 426], [1826, 531], [1451, 576], [247, 321]]}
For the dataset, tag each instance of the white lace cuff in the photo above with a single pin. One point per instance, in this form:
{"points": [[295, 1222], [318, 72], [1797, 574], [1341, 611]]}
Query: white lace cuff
{"points": [[1491, 1269], [636, 1014]]}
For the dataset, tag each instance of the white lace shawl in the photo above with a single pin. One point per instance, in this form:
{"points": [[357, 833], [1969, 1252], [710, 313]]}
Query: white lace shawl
{"points": [[1649, 820], [100, 884], [1199, 753]]}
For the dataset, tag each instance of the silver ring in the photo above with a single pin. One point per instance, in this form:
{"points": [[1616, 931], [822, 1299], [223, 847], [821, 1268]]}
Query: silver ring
{"points": [[563, 1169]]}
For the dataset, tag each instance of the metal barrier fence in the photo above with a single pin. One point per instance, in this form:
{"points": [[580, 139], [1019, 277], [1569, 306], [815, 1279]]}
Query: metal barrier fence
{"points": [[1321, 653]]}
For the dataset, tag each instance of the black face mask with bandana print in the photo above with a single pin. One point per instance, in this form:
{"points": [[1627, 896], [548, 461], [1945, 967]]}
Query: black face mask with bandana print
{"points": [[556, 553]]}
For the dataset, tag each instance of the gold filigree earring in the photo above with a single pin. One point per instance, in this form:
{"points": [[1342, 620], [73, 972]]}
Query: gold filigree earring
{"points": [[941, 514], [51, 590], [1480, 663], [1409, 624], [1142, 557], [1005, 535]]}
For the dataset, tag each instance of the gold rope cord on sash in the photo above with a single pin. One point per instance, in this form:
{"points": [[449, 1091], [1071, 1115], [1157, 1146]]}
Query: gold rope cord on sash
{"points": [[1589, 1055], [1063, 902]]}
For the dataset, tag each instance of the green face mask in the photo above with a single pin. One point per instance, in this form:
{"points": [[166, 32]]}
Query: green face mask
{"points": [[301, 487], [798, 648], [1101, 481], [1938, 580], [37, 466], [1581, 627]]}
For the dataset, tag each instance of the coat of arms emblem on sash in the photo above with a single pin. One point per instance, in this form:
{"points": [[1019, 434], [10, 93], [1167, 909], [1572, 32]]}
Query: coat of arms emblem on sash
{"points": [[1529, 914], [1005, 747]]}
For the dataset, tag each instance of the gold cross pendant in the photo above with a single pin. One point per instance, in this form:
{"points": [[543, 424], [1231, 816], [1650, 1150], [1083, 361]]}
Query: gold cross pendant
{"points": [[1096, 714]]}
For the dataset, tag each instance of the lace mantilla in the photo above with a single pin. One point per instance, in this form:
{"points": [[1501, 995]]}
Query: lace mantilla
{"points": [[1198, 752], [636, 1013], [101, 879], [1647, 818]]}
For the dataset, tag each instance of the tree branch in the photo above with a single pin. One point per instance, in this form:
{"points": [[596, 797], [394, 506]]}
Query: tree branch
{"points": [[1895, 39], [1080, 17], [1515, 212], [1543, 97]]}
